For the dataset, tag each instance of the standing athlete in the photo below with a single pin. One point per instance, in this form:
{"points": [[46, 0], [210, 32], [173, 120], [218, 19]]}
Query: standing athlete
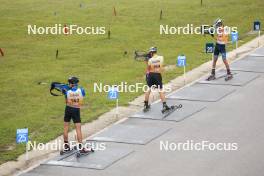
{"points": [[74, 98], [220, 47], [154, 78]]}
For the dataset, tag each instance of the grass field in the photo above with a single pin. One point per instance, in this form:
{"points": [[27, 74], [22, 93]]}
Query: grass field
{"points": [[30, 59]]}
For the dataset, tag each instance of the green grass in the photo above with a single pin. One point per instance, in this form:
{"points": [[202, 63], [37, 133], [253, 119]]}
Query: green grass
{"points": [[30, 59]]}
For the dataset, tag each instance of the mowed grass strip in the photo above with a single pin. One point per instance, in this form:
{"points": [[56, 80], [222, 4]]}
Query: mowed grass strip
{"points": [[30, 59]]}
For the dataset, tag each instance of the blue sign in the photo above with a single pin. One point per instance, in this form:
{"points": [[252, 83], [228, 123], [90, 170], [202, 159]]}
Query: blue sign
{"points": [[209, 47], [22, 135], [181, 61], [113, 94], [234, 37], [256, 26]]}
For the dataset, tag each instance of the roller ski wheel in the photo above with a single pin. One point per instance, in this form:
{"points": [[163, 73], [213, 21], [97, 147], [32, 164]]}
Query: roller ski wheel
{"points": [[61, 152], [177, 106], [84, 152], [146, 108], [228, 77], [78, 155], [171, 110], [211, 77]]}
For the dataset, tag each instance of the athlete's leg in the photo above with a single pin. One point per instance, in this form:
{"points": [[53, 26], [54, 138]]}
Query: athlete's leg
{"points": [[76, 117], [161, 92], [146, 101], [223, 53], [78, 132], [158, 83], [147, 95], [67, 119], [149, 83], [66, 130], [216, 54], [227, 66], [81, 147], [214, 62], [162, 96], [163, 100]]}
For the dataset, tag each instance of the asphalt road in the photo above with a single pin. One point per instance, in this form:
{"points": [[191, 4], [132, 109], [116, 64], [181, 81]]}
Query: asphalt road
{"points": [[233, 117]]}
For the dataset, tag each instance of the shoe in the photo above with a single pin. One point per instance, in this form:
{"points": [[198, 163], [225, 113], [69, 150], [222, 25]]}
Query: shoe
{"points": [[211, 77], [228, 77], [86, 150], [165, 108], [146, 108]]}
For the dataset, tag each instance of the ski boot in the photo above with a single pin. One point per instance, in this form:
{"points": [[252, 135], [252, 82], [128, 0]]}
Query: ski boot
{"points": [[146, 108], [66, 149], [84, 151], [211, 77], [165, 109], [228, 77]]}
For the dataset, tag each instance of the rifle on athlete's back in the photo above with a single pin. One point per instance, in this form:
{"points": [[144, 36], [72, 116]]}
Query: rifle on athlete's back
{"points": [[58, 89], [142, 55]]}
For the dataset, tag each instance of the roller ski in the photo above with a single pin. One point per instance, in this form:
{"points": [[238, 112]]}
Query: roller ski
{"points": [[166, 109], [84, 152], [67, 149], [228, 77], [211, 77]]}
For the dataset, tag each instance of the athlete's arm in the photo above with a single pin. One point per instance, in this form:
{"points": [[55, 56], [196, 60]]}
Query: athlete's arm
{"points": [[64, 89], [161, 64], [149, 65], [148, 68]]}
